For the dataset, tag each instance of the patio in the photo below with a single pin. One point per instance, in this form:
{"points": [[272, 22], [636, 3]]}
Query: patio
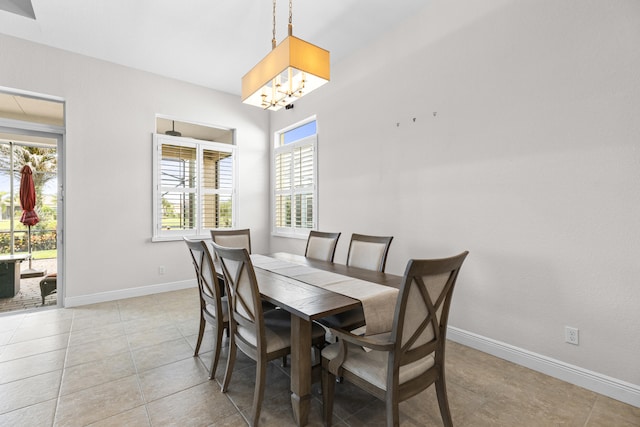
{"points": [[29, 295]]}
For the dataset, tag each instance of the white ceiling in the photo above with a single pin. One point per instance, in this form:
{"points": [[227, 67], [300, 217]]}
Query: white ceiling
{"points": [[212, 43]]}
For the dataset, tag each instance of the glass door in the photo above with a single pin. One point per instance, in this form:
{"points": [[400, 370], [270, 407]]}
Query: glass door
{"points": [[28, 246]]}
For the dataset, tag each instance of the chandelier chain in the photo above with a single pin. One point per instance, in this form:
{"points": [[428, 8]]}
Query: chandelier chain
{"points": [[273, 40], [290, 17]]}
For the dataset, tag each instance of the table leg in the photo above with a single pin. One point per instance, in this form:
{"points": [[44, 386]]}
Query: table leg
{"points": [[300, 369]]}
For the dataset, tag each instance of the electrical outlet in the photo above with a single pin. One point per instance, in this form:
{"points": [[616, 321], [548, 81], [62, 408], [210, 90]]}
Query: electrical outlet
{"points": [[571, 335], [161, 270]]}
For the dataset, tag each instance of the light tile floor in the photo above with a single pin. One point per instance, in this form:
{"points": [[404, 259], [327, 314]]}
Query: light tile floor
{"points": [[130, 363]]}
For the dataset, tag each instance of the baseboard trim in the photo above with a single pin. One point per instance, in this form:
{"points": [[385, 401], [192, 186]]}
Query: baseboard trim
{"points": [[602, 384], [128, 293]]}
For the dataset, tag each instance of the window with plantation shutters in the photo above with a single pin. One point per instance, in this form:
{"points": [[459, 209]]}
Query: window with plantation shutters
{"points": [[194, 187], [294, 180]]}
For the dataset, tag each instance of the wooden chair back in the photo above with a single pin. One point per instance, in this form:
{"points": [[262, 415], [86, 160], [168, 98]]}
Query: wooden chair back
{"points": [[420, 321], [233, 238], [213, 306], [245, 308], [321, 245], [368, 252], [415, 346], [206, 275]]}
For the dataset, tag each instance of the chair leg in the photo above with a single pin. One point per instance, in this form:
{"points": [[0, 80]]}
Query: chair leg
{"points": [[393, 411], [328, 389], [216, 352], [284, 361], [258, 395], [317, 353], [231, 360], [443, 402], [203, 323]]}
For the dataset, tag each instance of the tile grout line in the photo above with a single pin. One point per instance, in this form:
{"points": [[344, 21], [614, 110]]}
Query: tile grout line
{"points": [[135, 366], [226, 395], [64, 364], [586, 422]]}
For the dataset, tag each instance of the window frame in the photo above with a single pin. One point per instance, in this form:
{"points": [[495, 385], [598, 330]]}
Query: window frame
{"points": [[198, 231], [311, 140]]}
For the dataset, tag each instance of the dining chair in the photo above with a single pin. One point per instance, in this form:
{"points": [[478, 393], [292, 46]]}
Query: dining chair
{"points": [[262, 336], [408, 359], [368, 252], [213, 306], [321, 245], [240, 238]]}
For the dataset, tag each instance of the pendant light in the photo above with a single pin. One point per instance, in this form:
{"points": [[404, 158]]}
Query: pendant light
{"points": [[173, 131], [291, 70]]}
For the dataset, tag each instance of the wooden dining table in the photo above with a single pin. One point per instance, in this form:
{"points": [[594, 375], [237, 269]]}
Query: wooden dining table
{"points": [[307, 303]]}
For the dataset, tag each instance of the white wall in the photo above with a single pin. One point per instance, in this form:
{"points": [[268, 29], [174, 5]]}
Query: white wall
{"points": [[110, 112], [532, 163]]}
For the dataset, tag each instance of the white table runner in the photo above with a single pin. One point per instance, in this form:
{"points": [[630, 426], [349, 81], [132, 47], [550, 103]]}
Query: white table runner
{"points": [[378, 301]]}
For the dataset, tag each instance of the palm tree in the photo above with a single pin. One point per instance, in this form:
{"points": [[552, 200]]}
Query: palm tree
{"points": [[44, 164], [43, 161]]}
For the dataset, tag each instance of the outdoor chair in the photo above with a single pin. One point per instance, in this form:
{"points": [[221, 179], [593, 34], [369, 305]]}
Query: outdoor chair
{"points": [[48, 285], [408, 359]]}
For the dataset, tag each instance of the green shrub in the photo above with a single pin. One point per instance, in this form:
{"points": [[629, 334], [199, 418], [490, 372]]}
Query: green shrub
{"points": [[41, 240]]}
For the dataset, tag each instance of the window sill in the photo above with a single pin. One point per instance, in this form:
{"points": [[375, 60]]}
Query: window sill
{"points": [[290, 235], [157, 239]]}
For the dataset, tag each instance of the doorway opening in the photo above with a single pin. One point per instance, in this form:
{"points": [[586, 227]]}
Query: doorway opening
{"points": [[31, 136]]}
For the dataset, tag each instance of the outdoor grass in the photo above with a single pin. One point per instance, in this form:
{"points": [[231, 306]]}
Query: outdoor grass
{"points": [[52, 253]]}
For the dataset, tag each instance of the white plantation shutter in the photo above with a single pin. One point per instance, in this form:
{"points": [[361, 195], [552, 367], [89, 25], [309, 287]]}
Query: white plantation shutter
{"points": [[283, 189], [177, 187], [217, 189], [303, 166], [194, 187], [303, 174], [294, 184]]}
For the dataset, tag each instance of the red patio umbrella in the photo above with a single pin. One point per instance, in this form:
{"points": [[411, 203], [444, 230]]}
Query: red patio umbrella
{"points": [[28, 202]]}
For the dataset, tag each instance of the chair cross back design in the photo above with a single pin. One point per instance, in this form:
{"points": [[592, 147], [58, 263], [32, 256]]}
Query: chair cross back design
{"points": [[243, 294], [321, 245], [261, 335], [368, 252], [213, 307], [409, 358]]}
